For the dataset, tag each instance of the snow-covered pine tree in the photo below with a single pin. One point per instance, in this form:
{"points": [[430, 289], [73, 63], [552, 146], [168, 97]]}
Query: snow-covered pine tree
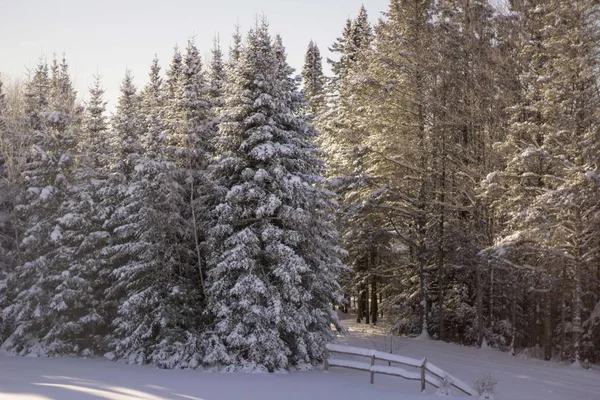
{"points": [[173, 75], [2, 96], [217, 74], [151, 112], [385, 115], [94, 146], [356, 36], [5, 202], [545, 198], [345, 126], [274, 258], [360, 37], [126, 125], [339, 47], [569, 104], [34, 291], [235, 50], [464, 119], [340, 135], [191, 148], [80, 319], [511, 189], [14, 141], [62, 96], [22, 310], [313, 79], [158, 316]]}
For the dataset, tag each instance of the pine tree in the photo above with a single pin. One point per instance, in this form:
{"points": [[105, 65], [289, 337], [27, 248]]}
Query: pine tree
{"points": [[94, 147], [388, 121], [339, 47], [5, 207], [2, 97], [274, 259], [82, 316], [126, 125], [235, 49], [217, 75], [62, 96], [356, 36], [36, 292], [314, 80], [360, 37], [550, 169], [173, 75], [158, 316], [152, 112]]}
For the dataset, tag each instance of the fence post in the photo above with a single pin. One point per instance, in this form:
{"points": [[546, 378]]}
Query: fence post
{"points": [[423, 374], [326, 361], [372, 373]]}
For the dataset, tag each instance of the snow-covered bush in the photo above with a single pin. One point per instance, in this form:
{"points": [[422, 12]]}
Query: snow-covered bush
{"points": [[446, 387], [485, 385]]}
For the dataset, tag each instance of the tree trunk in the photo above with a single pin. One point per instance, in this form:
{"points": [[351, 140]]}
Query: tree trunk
{"points": [[548, 326], [366, 303], [491, 310], [479, 305], [563, 315], [513, 321], [374, 306], [359, 304], [577, 295]]}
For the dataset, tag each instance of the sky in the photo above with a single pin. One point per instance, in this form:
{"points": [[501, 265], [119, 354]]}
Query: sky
{"points": [[110, 36]]}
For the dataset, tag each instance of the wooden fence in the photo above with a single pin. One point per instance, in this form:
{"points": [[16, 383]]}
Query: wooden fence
{"points": [[425, 372]]}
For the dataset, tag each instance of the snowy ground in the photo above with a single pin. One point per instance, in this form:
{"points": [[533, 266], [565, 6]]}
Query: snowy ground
{"points": [[80, 379]]}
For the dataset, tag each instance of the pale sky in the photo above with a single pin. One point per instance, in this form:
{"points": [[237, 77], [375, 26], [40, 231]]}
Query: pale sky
{"points": [[109, 36]]}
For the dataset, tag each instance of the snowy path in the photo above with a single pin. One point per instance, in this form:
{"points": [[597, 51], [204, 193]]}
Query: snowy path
{"points": [[80, 379]]}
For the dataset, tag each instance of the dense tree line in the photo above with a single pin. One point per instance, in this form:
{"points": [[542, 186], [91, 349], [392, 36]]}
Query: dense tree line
{"points": [[463, 141], [454, 149], [192, 228]]}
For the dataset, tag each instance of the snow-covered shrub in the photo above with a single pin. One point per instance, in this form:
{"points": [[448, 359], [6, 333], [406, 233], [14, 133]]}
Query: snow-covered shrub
{"points": [[446, 386], [485, 385]]}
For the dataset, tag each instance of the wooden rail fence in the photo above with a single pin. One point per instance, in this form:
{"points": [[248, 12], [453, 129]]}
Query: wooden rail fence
{"points": [[426, 372]]}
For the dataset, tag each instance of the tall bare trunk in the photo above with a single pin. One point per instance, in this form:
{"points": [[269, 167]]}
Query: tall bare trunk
{"points": [[548, 325], [479, 304]]}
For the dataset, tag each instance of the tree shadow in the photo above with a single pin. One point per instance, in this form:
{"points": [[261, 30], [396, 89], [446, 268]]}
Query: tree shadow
{"points": [[61, 387]]}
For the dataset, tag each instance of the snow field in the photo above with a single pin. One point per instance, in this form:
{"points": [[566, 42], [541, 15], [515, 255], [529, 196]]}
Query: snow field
{"points": [[97, 379]]}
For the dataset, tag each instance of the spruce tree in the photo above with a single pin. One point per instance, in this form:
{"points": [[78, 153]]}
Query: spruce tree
{"points": [[173, 75], [126, 125], [339, 47], [5, 207], [82, 319], [236, 48], [313, 78], [217, 75], [274, 255], [152, 113], [157, 319], [36, 292]]}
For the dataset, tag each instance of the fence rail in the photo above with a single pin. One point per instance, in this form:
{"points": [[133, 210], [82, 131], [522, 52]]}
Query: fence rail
{"points": [[426, 372]]}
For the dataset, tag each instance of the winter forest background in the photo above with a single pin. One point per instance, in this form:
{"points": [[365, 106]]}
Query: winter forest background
{"points": [[445, 177]]}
